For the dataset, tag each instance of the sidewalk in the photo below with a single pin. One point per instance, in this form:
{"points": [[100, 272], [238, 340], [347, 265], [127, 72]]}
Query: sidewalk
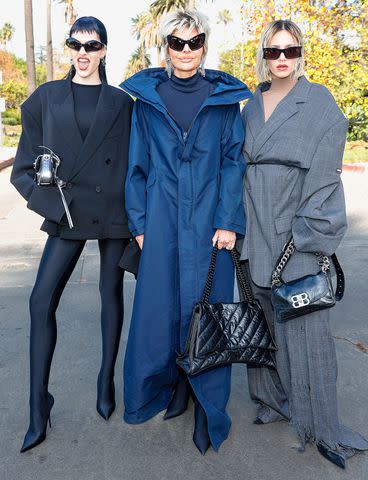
{"points": [[82, 446], [7, 156]]}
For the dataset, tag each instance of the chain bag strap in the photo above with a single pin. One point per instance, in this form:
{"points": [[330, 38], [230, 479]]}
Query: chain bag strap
{"points": [[288, 250], [307, 294], [243, 283]]}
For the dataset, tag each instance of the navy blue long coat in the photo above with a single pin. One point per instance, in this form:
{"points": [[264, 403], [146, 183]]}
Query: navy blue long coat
{"points": [[180, 188]]}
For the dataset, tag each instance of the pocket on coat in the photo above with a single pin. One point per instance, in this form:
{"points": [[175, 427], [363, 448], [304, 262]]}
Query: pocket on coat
{"points": [[283, 224]]}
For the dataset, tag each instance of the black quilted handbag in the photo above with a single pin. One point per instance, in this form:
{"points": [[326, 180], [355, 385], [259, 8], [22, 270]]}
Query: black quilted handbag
{"points": [[225, 333]]}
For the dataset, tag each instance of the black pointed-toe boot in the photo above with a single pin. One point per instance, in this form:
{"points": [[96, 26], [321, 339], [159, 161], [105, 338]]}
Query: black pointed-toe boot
{"points": [[40, 415], [180, 399], [105, 404], [334, 457]]}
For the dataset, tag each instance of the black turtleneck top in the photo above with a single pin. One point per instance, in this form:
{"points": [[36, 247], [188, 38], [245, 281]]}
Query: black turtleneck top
{"points": [[85, 103], [183, 97]]}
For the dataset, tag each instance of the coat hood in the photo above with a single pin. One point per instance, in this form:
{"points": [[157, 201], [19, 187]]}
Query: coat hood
{"points": [[226, 88]]}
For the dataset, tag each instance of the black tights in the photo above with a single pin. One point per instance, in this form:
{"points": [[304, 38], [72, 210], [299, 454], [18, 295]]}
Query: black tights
{"points": [[57, 264]]}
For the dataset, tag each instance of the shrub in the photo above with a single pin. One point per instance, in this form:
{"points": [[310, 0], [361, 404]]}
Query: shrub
{"points": [[13, 113], [10, 121]]}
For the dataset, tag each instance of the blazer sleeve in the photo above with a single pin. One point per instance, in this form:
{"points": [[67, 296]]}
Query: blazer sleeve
{"points": [[42, 199], [22, 176], [229, 214], [139, 161], [320, 221]]}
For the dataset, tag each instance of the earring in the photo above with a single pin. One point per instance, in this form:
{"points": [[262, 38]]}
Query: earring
{"points": [[103, 61], [169, 66], [201, 69]]}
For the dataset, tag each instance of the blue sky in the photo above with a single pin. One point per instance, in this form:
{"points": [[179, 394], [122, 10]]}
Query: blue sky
{"points": [[116, 15]]}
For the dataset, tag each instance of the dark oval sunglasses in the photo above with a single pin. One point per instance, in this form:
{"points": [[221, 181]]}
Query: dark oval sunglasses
{"points": [[194, 43], [274, 53], [90, 46]]}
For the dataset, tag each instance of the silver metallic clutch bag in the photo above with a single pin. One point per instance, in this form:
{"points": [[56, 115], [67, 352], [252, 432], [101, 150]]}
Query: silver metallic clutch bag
{"points": [[46, 166]]}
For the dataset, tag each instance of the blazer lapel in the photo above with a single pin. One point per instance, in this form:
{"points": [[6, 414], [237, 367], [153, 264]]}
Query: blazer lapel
{"points": [[286, 108], [63, 114], [255, 118], [105, 115]]}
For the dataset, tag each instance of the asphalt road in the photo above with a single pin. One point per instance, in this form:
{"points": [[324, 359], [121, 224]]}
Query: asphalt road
{"points": [[82, 446]]}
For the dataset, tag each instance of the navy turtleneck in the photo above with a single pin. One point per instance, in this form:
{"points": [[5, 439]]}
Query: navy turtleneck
{"points": [[183, 97]]}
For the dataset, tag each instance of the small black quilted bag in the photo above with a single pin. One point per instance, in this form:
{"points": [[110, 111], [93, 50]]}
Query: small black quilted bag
{"points": [[225, 333]]}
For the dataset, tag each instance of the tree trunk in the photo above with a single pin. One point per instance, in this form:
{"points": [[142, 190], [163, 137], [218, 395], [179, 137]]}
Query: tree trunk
{"points": [[143, 55], [158, 50], [49, 56], [30, 58], [191, 4]]}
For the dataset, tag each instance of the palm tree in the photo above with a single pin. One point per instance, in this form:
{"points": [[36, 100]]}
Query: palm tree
{"points": [[30, 58], [152, 35], [6, 33], [49, 55], [135, 63], [70, 12], [140, 24], [160, 7], [224, 17]]}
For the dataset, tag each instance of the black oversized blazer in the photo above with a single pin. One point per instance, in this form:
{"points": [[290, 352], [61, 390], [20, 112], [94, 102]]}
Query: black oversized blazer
{"points": [[94, 170]]}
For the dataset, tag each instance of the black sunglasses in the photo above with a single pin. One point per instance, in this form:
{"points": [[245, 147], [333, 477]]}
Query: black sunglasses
{"points": [[274, 53], [90, 46], [194, 43]]}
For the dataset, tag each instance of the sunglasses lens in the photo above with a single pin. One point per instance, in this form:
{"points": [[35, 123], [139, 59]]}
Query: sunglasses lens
{"points": [[293, 52], [197, 42], [175, 43], [271, 53], [93, 46], [73, 44]]}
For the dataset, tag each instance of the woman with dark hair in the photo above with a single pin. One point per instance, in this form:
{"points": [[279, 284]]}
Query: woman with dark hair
{"points": [[86, 123]]}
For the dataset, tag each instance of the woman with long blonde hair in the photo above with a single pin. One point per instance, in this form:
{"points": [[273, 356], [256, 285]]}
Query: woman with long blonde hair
{"points": [[294, 144]]}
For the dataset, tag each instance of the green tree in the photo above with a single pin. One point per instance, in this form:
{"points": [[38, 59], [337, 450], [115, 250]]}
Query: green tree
{"points": [[160, 7], [135, 63], [336, 49], [15, 92], [6, 34]]}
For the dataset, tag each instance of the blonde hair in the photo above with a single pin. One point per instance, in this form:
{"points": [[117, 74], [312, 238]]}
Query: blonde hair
{"points": [[180, 20], [262, 69]]}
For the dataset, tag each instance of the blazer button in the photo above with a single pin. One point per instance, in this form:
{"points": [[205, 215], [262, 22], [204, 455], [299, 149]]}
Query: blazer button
{"points": [[98, 189], [95, 221], [108, 161], [69, 185]]}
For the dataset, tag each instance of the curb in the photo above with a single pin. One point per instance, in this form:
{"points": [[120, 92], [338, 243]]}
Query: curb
{"points": [[6, 163], [351, 167]]}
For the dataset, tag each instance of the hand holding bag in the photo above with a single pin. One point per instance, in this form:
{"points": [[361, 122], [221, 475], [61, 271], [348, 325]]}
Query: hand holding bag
{"points": [[307, 294], [46, 167], [225, 333]]}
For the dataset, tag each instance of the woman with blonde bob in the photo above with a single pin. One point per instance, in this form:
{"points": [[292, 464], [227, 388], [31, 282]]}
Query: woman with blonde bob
{"points": [[294, 144], [183, 194]]}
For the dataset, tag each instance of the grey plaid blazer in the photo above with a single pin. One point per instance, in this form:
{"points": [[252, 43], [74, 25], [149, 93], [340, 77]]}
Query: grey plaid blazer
{"points": [[293, 183]]}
